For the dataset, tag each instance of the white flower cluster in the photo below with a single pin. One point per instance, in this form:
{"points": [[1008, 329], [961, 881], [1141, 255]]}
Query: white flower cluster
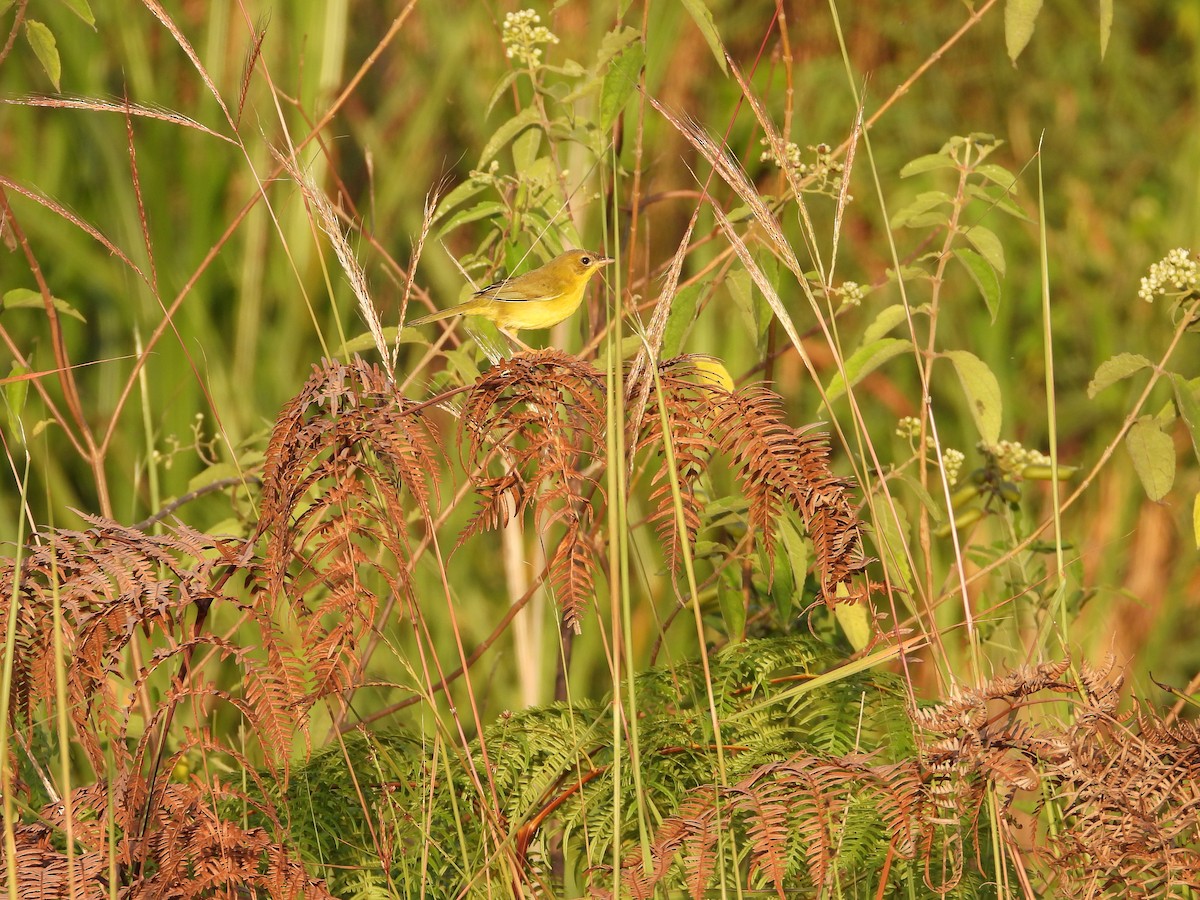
{"points": [[823, 170], [952, 463], [1176, 270], [908, 427], [1012, 457], [522, 35], [791, 154], [852, 293]]}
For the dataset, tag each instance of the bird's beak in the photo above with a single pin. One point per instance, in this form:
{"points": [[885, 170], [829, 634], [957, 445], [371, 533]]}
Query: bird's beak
{"points": [[604, 261]]}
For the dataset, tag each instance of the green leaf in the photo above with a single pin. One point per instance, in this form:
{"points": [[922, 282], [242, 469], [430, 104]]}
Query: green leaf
{"points": [[15, 393], [936, 509], [613, 43], [983, 393], [41, 39], [1019, 16], [620, 81], [1189, 408], [506, 132], [928, 163], [679, 320], [854, 619], [704, 21], [997, 175], [460, 194], [796, 550], [889, 317], [81, 9], [890, 542], [483, 210], [733, 611], [997, 198], [921, 204], [502, 88], [1153, 455], [1106, 20], [1115, 369], [23, 298], [863, 361], [525, 148], [753, 306], [984, 276], [985, 241]]}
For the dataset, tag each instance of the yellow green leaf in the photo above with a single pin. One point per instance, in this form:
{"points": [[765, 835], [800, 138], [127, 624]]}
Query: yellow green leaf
{"points": [[41, 39]]}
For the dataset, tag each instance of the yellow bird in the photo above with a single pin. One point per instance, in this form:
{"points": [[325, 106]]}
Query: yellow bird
{"points": [[537, 299]]}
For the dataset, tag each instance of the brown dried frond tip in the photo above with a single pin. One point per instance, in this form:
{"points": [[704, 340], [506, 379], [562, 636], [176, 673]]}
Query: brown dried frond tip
{"points": [[778, 465], [541, 417], [342, 454]]}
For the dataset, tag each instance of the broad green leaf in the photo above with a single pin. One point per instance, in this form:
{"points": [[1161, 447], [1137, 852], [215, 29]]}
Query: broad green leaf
{"points": [[928, 163], [984, 276], [889, 317], [525, 149], [24, 298], [998, 175], [680, 319], [1019, 17], [613, 43], [15, 393], [620, 81], [733, 611], [796, 550], [753, 306], [702, 16], [1153, 455], [1106, 20], [983, 393], [997, 198], [502, 88], [1115, 369], [863, 361], [936, 509], [215, 472], [1189, 408], [506, 132], [41, 39], [985, 241], [932, 219], [891, 540], [921, 204], [81, 9], [854, 619], [474, 214], [460, 194]]}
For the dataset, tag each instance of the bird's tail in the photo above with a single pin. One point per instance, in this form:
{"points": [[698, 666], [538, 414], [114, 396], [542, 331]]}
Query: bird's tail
{"points": [[437, 316]]}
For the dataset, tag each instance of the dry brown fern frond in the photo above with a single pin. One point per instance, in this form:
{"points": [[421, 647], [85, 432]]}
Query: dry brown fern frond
{"points": [[110, 581], [191, 850], [779, 465], [1128, 792], [542, 416], [1123, 786], [342, 453], [792, 809], [689, 413]]}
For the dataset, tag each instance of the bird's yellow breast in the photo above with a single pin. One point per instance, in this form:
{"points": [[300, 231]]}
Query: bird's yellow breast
{"points": [[517, 315]]}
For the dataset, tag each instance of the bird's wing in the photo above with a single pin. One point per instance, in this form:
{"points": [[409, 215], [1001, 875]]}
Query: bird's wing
{"points": [[510, 291]]}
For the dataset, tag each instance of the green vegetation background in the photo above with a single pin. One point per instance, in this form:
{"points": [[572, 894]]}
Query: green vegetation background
{"points": [[263, 299]]}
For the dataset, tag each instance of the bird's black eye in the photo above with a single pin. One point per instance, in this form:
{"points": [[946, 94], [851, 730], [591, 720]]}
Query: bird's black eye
{"points": [[586, 260]]}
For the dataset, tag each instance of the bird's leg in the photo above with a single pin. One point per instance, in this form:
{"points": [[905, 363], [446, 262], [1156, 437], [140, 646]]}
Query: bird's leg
{"points": [[515, 341]]}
